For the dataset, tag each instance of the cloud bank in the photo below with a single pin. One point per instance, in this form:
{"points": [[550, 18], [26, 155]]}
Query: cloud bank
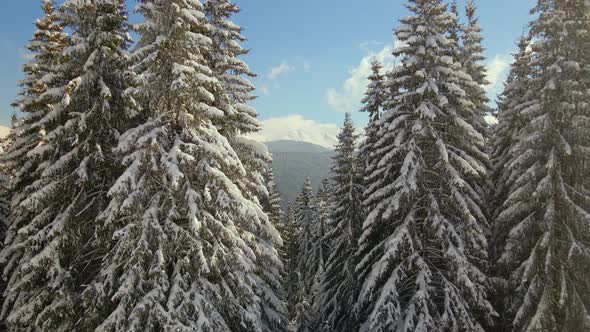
{"points": [[348, 97], [296, 128]]}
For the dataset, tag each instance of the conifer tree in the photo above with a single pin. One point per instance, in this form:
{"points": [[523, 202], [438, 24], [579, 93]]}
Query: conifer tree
{"points": [[4, 215], [469, 52], [25, 158], [271, 202], [473, 50], [53, 254], [290, 234], [547, 207], [239, 119], [190, 236], [35, 102], [324, 206], [308, 258], [424, 239], [340, 288], [373, 104], [306, 219], [471, 62], [515, 98]]}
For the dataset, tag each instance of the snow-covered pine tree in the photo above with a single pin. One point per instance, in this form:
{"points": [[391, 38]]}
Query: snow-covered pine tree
{"points": [[308, 258], [36, 101], [290, 234], [473, 51], [270, 272], [54, 253], [468, 51], [548, 206], [372, 104], [516, 97], [189, 236], [5, 196], [324, 206], [472, 59], [240, 119], [422, 241], [511, 119], [4, 215], [26, 155], [271, 203], [339, 286]]}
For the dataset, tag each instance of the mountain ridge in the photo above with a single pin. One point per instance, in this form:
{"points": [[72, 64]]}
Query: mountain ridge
{"points": [[294, 161]]}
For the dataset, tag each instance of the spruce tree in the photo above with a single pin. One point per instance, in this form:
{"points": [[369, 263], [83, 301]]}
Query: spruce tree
{"points": [[308, 259], [547, 207], [223, 58], [290, 234], [55, 252], [36, 101], [324, 206], [373, 104], [4, 215], [340, 288], [190, 237], [424, 239], [515, 98], [272, 201], [471, 62], [28, 153]]}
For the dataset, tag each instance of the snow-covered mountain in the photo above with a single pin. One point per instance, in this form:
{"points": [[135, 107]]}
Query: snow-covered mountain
{"points": [[297, 128], [294, 161]]}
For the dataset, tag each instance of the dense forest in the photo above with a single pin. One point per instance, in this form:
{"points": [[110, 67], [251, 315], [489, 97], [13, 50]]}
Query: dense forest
{"points": [[133, 199]]}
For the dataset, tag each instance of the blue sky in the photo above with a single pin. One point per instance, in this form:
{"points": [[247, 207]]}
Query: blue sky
{"points": [[311, 56]]}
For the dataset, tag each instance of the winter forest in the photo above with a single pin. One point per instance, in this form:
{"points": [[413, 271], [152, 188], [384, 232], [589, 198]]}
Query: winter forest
{"points": [[133, 198]]}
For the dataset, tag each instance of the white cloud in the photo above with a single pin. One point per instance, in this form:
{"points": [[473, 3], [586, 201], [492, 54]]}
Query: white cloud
{"points": [[264, 89], [349, 96], [296, 128], [4, 131], [497, 71], [306, 66], [279, 70]]}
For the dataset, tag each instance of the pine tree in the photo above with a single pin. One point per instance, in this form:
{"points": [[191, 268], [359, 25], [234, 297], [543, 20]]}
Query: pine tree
{"points": [[469, 52], [373, 104], [473, 51], [27, 154], [240, 119], [515, 98], [35, 102], [270, 283], [289, 256], [472, 59], [4, 215], [324, 206], [547, 207], [190, 236], [340, 288], [271, 202], [308, 258], [54, 254], [423, 241]]}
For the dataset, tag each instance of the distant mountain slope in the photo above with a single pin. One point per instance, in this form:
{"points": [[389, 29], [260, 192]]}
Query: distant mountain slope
{"points": [[294, 161]]}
